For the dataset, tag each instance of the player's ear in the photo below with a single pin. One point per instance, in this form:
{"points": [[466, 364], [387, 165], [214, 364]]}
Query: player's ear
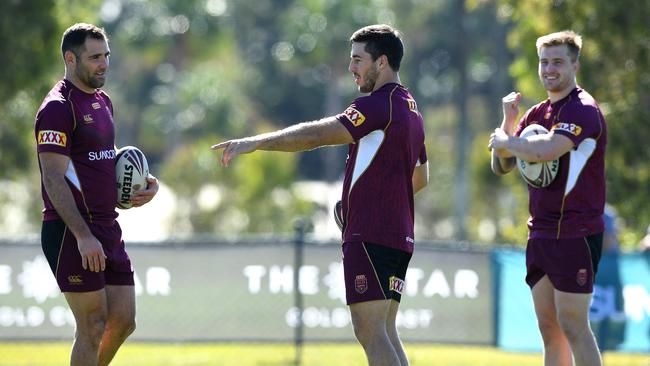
{"points": [[383, 61], [69, 58]]}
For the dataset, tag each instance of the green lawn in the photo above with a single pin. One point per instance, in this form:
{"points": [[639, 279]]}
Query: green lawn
{"points": [[155, 354]]}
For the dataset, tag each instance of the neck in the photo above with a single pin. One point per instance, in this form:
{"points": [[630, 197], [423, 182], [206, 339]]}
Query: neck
{"points": [[78, 83], [387, 78], [558, 95]]}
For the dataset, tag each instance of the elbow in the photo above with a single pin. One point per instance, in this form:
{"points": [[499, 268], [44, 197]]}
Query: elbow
{"points": [[546, 156], [48, 180], [496, 169], [499, 171], [502, 166], [420, 184], [51, 180], [424, 184]]}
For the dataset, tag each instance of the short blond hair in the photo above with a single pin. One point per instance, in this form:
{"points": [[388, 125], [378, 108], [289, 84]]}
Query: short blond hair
{"points": [[568, 37]]}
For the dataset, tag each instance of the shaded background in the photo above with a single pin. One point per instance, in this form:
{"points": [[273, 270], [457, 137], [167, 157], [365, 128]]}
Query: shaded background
{"points": [[186, 74]]}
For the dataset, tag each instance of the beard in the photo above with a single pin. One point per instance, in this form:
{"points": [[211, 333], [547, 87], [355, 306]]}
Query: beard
{"points": [[560, 84], [370, 80], [88, 78]]}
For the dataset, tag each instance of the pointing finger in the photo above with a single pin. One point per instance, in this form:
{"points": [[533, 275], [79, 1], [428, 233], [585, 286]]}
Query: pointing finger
{"points": [[221, 145]]}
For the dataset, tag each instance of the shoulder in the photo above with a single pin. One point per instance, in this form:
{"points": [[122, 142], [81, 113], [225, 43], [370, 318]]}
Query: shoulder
{"points": [[580, 116], [368, 106], [377, 102], [55, 107], [582, 105], [371, 99], [581, 113], [57, 98]]}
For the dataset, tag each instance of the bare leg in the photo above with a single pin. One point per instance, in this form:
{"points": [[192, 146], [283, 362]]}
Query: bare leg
{"points": [[573, 316], [89, 310], [369, 320], [557, 351], [393, 335], [120, 322]]}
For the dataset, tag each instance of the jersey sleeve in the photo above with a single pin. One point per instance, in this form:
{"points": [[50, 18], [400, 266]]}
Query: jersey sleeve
{"points": [[54, 127], [363, 116], [579, 124]]}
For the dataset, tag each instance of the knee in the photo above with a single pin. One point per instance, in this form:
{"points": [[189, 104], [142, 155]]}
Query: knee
{"points": [[364, 332], [573, 326], [549, 329], [130, 327], [361, 333], [91, 329], [124, 327]]}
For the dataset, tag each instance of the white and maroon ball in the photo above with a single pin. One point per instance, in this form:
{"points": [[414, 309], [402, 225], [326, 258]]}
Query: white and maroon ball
{"points": [[537, 174], [132, 170]]}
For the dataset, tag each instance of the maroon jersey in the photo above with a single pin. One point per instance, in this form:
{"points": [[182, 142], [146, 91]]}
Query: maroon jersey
{"points": [[377, 189], [80, 126], [572, 205]]}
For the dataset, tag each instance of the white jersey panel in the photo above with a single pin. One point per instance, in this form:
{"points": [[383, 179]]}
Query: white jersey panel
{"points": [[368, 147]]}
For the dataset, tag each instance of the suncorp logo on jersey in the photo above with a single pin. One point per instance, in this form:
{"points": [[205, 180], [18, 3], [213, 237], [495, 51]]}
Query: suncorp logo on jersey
{"points": [[101, 155]]}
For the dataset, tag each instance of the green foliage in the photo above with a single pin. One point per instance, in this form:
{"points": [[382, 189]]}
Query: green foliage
{"points": [[24, 55], [253, 195], [186, 74], [500, 204], [30, 33]]}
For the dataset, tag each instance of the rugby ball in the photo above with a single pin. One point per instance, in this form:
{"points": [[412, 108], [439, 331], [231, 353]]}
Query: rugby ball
{"points": [[538, 174], [132, 170]]}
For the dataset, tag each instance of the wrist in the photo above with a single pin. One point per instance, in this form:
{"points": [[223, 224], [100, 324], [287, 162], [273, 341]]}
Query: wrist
{"points": [[81, 233], [507, 126]]}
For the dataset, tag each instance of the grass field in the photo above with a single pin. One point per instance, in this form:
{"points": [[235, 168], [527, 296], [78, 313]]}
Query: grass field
{"points": [[154, 354]]}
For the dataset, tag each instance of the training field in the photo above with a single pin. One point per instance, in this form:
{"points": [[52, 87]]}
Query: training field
{"points": [[148, 354]]}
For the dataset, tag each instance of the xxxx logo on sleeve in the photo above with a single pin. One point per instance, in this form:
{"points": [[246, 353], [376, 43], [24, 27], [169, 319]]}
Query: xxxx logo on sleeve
{"points": [[354, 116], [571, 128], [49, 137]]}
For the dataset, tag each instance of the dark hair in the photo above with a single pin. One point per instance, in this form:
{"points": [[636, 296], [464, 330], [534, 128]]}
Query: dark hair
{"points": [[74, 38], [381, 39], [568, 37]]}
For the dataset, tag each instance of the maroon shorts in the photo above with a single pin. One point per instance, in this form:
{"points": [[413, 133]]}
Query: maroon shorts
{"points": [[60, 249], [570, 264], [373, 272]]}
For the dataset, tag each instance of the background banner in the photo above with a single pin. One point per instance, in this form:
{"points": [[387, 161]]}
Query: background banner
{"points": [[246, 292]]}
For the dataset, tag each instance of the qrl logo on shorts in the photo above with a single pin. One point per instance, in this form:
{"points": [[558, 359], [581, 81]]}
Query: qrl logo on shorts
{"points": [[361, 283], [581, 277], [396, 284]]}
